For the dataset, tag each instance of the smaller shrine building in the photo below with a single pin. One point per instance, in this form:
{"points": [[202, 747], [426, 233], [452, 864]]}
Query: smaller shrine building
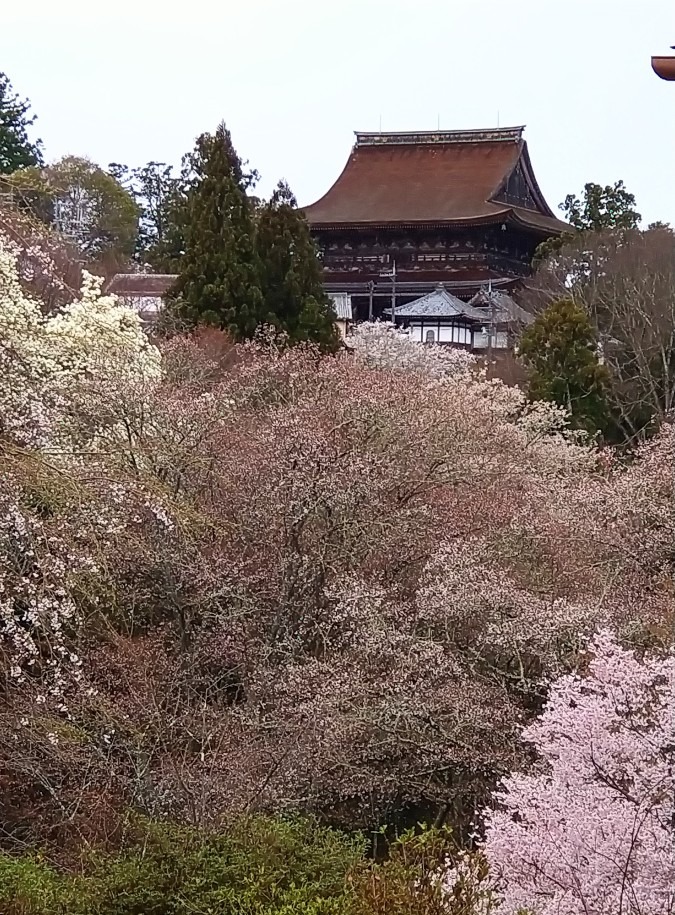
{"points": [[489, 319]]}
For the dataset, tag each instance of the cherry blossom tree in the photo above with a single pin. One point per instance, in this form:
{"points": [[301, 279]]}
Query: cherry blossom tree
{"points": [[52, 363], [381, 345], [355, 568], [49, 268], [290, 582], [592, 830]]}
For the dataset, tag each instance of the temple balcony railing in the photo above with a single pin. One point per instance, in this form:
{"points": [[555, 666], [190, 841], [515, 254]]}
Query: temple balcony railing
{"points": [[422, 262]]}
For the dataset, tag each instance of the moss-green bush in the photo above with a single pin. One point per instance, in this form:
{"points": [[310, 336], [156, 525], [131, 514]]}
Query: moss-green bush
{"points": [[260, 866]]}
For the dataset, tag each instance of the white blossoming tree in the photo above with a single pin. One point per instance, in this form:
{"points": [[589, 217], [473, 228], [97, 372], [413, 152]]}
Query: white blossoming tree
{"points": [[58, 375], [381, 345], [51, 364]]}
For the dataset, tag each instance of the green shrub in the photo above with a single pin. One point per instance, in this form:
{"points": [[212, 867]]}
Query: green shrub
{"points": [[259, 867], [409, 881]]}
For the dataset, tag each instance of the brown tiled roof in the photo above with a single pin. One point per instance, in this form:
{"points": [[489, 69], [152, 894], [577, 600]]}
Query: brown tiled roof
{"points": [[439, 177], [146, 285]]}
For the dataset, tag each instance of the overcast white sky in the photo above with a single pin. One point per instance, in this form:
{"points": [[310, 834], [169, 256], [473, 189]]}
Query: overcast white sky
{"points": [[294, 78]]}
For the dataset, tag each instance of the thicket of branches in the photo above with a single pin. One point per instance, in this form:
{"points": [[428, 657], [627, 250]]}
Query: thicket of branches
{"points": [[246, 578], [624, 280]]}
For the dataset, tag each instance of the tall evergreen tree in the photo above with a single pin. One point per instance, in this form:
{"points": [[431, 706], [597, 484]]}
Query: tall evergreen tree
{"points": [[600, 208], [560, 351], [291, 273], [16, 150], [609, 207], [218, 280]]}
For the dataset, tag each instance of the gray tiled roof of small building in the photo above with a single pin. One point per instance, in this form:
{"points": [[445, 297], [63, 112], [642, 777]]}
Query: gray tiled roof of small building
{"points": [[438, 304], [506, 309], [342, 304], [140, 284]]}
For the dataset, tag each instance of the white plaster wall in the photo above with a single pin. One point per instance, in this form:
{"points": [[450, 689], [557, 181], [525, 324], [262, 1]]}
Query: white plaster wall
{"points": [[460, 335], [446, 334]]}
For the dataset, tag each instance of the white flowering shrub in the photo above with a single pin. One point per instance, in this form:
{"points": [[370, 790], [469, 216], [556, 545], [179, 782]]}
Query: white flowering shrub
{"points": [[59, 376], [38, 564], [50, 366], [381, 345]]}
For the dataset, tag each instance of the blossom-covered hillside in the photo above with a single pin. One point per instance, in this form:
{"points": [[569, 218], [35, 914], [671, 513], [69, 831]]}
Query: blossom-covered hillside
{"points": [[241, 578]]}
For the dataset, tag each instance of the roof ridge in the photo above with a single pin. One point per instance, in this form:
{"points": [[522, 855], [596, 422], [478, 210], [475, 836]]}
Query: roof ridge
{"points": [[142, 274], [440, 293], [430, 137]]}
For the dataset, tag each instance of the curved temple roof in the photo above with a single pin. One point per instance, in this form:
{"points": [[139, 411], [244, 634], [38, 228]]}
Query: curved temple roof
{"points": [[439, 177], [437, 304]]}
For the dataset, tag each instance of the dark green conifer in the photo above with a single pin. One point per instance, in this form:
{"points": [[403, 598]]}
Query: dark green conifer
{"points": [[561, 353], [290, 273], [16, 150], [218, 280]]}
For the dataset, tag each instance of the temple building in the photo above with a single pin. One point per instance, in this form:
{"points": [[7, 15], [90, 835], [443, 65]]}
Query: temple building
{"points": [[489, 320], [440, 317], [411, 211], [142, 292]]}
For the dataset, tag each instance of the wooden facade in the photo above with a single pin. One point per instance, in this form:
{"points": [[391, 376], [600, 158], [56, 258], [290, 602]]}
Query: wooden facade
{"points": [[458, 208]]}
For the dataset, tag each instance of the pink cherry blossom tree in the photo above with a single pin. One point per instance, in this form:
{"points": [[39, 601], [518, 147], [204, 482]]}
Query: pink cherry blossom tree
{"points": [[592, 829]]}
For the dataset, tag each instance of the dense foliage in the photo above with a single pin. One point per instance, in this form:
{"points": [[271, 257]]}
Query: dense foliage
{"points": [[243, 577], [290, 272], [154, 189], [16, 149], [219, 280], [560, 351], [624, 281], [258, 866], [264, 606], [609, 208], [241, 265]]}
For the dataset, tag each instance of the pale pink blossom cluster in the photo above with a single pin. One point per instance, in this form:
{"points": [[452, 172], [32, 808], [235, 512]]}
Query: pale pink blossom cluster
{"points": [[46, 265], [270, 580], [592, 829]]}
